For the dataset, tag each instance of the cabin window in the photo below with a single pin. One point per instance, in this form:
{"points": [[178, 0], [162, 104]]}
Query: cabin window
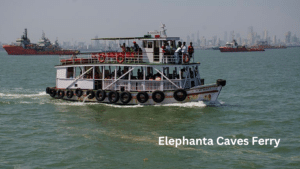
{"points": [[89, 74], [70, 72], [149, 44], [145, 44], [98, 72], [171, 73], [78, 72]]}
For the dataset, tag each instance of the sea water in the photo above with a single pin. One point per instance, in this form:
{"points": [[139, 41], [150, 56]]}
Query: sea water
{"points": [[260, 99]]}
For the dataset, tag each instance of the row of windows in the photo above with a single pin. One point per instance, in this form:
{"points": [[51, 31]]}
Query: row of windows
{"points": [[149, 44]]}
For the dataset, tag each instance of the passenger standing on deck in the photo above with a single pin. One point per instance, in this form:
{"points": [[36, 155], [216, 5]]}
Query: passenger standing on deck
{"points": [[183, 48], [179, 45], [135, 47], [123, 47], [167, 48], [178, 53], [191, 49]]}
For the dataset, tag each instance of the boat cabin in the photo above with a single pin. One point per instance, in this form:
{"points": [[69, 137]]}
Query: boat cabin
{"points": [[128, 77]]}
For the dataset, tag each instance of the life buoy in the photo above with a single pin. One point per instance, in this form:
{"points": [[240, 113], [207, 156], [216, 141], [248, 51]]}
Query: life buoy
{"points": [[120, 58], [60, 94], [158, 96], [125, 97], [142, 97], [100, 95], [70, 94], [52, 92], [101, 57], [180, 95], [90, 94], [78, 92], [186, 58], [113, 96]]}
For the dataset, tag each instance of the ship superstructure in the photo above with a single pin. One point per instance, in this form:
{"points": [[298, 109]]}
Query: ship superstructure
{"points": [[43, 47]]}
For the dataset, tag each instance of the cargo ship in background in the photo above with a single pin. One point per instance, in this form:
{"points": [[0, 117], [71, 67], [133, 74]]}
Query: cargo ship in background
{"points": [[44, 47], [265, 45], [234, 47]]}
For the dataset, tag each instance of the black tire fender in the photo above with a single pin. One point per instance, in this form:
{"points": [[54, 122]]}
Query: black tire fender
{"points": [[70, 94], [47, 90], [221, 82], [158, 96], [61, 94], [144, 95], [179, 97], [90, 94], [102, 96], [78, 92], [52, 92], [123, 98], [111, 98]]}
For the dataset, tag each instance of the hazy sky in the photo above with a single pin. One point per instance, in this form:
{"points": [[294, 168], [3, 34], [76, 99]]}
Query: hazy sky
{"points": [[82, 20]]}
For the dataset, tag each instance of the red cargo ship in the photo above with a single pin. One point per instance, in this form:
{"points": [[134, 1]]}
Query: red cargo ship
{"points": [[234, 47], [44, 47]]}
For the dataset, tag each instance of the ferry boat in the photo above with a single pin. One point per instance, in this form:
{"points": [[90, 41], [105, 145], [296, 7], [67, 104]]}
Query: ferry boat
{"points": [[234, 47], [150, 75], [44, 47]]}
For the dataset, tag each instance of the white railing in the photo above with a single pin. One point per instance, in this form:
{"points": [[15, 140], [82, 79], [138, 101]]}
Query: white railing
{"points": [[141, 85], [169, 86], [112, 57]]}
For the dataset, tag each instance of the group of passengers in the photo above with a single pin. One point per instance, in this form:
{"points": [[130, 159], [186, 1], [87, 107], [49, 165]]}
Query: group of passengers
{"points": [[171, 52], [139, 75], [125, 74], [134, 48]]}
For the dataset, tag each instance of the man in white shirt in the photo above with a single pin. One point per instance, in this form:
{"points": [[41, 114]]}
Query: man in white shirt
{"points": [[183, 48]]}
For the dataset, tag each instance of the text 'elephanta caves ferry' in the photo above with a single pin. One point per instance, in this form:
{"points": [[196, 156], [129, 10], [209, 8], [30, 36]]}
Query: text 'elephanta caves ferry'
{"points": [[23, 46], [154, 72]]}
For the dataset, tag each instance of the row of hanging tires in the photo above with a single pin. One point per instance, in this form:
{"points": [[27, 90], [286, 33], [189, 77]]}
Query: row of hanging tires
{"points": [[113, 96]]}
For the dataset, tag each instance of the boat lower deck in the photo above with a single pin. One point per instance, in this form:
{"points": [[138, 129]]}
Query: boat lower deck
{"points": [[200, 93]]}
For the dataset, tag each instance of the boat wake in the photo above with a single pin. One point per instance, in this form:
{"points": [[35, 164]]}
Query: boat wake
{"points": [[75, 103], [188, 104], [105, 104], [22, 95]]}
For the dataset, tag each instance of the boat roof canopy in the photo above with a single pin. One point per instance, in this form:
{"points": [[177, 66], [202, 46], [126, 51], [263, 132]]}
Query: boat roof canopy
{"points": [[139, 38]]}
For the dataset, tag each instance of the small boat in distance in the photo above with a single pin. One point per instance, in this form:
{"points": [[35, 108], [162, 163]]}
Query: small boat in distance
{"points": [[44, 47], [234, 47]]}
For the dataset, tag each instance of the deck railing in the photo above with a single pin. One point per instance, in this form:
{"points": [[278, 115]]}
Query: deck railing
{"points": [[118, 57], [141, 85]]}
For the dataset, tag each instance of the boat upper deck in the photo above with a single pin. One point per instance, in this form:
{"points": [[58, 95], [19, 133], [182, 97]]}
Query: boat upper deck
{"points": [[123, 58], [154, 48]]}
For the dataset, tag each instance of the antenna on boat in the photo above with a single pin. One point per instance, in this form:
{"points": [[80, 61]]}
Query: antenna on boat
{"points": [[164, 31], [43, 34], [25, 33]]}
